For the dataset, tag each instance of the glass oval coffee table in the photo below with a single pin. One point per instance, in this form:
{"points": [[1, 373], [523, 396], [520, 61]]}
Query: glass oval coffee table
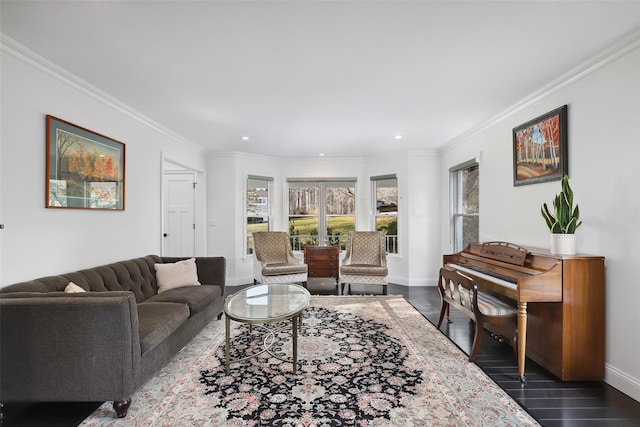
{"points": [[265, 304]]}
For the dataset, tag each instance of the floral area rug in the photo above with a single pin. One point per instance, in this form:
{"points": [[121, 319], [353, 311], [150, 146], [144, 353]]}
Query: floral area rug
{"points": [[362, 361]]}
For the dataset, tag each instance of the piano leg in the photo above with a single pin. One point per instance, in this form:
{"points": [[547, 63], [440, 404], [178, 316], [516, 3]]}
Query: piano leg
{"points": [[522, 338]]}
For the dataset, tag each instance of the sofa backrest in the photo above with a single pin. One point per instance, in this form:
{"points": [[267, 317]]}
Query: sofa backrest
{"points": [[136, 275]]}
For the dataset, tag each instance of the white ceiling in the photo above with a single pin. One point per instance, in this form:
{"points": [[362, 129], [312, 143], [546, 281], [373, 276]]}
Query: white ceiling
{"points": [[307, 77]]}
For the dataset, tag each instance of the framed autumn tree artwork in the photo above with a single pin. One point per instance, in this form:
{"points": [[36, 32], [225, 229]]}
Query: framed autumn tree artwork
{"points": [[85, 170], [540, 148]]}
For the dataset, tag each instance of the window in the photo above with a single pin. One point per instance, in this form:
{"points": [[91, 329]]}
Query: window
{"points": [[465, 200], [321, 211], [258, 206], [385, 191]]}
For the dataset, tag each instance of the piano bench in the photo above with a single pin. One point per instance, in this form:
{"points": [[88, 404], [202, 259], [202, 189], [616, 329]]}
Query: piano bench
{"points": [[461, 292]]}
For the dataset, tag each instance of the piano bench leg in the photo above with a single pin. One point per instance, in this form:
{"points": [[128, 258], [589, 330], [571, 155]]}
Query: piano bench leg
{"points": [[444, 310], [477, 340]]}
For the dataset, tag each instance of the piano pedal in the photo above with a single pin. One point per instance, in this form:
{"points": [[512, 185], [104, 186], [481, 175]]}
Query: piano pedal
{"points": [[500, 338]]}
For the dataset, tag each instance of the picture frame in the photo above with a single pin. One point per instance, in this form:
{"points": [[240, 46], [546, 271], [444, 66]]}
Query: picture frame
{"points": [[85, 170], [540, 151]]}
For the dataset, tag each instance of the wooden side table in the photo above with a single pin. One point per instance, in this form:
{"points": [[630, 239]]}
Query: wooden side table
{"points": [[323, 261]]}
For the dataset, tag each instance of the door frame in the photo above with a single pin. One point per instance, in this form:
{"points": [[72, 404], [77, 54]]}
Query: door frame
{"points": [[169, 166]]}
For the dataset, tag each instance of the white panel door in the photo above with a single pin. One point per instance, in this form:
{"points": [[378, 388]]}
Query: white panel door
{"points": [[179, 218]]}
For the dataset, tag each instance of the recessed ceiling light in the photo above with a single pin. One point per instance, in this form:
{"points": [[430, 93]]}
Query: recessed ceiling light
{"points": [[321, 154], [398, 137], [245, 138]]}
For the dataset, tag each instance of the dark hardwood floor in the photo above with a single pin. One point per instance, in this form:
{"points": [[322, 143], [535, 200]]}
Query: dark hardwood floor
{"points": [[553, 403]]}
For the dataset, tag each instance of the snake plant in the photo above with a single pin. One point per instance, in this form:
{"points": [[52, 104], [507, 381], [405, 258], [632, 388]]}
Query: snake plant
{"points": [[566, 218]]}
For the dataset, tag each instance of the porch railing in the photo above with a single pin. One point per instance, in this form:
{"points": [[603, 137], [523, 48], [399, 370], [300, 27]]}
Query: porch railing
{"points": [[298, 242]]}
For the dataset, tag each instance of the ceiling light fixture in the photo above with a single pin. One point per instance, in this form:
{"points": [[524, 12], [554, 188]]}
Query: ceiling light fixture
{"points": [[245, 138], [321, 154], [398, 137]]}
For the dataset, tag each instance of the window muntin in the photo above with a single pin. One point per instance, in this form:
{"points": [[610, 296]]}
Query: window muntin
{"points": [[258, 207], [465, 196], [321, 212], [385, 191]]}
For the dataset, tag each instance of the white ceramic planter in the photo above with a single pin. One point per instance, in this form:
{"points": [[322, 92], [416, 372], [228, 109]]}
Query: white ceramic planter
{"points": [[563, 244]]}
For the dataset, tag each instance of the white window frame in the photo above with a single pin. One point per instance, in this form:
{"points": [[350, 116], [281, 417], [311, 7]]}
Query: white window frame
{"points": [[374, 210], [269, 215], [457, 203], [322, 184]]}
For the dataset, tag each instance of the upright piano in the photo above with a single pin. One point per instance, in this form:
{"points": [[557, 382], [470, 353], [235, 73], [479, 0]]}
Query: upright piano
{"points": [[560, 301]]}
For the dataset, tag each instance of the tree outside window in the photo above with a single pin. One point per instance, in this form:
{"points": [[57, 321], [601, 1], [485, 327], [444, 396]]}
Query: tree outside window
{"points": [[321, 212]]}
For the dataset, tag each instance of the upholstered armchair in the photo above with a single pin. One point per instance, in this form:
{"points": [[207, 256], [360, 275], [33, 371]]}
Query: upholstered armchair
{"points": [[274, 261], [365, 260]]}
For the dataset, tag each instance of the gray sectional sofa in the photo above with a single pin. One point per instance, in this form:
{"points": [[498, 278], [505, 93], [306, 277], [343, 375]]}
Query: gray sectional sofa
{"points": [[103, 343]]}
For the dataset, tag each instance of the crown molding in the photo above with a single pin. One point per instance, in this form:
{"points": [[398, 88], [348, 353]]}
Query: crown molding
{"points": [[21, 52], [232, 154], [607, 56]]}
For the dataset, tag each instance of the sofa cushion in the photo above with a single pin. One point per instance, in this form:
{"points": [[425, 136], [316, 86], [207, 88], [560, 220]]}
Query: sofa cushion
{"points": [[158, 320], [72, 288], [176, 275], [196, 297], [136, 275]]}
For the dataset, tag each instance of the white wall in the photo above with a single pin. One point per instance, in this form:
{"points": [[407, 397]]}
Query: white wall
{"points": [[604, 148], [419, 254], [37, 241], [423, 216]]}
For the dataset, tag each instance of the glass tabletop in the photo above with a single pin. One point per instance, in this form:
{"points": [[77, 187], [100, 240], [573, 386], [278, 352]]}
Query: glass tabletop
{"points": [[267, 302]]}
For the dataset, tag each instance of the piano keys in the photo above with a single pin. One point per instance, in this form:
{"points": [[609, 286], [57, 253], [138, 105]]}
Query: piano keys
{"points": [[560, 301]]}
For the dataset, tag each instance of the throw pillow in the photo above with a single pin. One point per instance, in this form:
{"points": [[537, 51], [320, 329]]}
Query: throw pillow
{"points": [[72, 288], [176, 275]]}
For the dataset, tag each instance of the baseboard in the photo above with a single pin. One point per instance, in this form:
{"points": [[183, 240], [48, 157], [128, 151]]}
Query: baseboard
{"points": [[622, 381]]}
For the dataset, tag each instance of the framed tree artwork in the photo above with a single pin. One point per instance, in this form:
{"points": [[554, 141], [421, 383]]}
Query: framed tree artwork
{"points": [[85, 170], [540, 148]]}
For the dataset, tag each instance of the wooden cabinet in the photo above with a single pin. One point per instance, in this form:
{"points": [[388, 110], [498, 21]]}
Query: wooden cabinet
{"points": [[323, 261]]}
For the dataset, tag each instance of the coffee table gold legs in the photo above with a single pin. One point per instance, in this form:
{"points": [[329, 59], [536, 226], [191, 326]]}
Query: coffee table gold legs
{"points": [[296, 325], [227, 344], [294, 331]]}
